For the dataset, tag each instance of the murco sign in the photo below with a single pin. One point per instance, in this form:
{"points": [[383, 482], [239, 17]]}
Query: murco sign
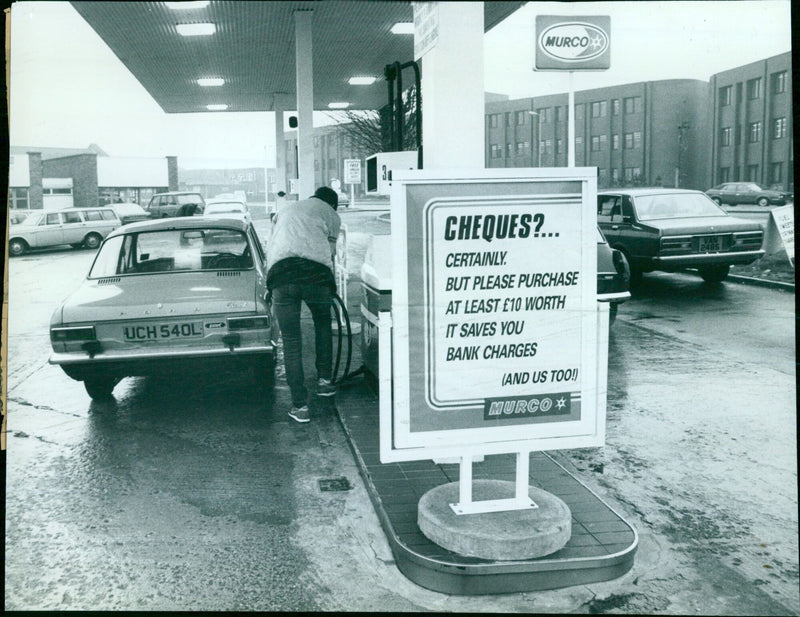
{"points": [[573, 43]]}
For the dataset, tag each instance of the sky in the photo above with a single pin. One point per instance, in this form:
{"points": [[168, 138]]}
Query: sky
{"points": [[67, 89]]}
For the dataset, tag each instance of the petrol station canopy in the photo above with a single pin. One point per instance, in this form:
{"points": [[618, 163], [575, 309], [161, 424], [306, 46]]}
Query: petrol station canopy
{"points": [[253, 49]]}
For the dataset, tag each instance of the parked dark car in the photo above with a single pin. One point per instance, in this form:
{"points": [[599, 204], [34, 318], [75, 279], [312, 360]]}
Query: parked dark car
{"points": [[674, 229], [163, 205], [736, 193], [613, 276]]}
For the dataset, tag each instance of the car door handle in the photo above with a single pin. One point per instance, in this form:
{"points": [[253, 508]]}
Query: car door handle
{"points": [[615, 227]]}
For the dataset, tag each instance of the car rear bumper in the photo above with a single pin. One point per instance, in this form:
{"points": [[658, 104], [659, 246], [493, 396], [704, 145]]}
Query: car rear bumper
{"points": [[615, 298], [708, 259]]}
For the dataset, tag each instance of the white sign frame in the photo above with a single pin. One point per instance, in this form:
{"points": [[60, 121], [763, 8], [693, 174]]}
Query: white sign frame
{"points": [[397, 441], [352, 171]]}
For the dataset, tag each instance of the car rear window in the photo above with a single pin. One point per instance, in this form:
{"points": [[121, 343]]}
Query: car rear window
{"points": [[108, 215], [173, 250], [92, 215], [675, 205]]}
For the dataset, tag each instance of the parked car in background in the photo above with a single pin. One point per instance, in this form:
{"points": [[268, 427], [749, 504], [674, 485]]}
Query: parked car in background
{"points": [[74, 226], [165, 297], [613, 276], [15, 217], [675, 229], [129, 212], [737, 193], [227, 208], [163, 205]]}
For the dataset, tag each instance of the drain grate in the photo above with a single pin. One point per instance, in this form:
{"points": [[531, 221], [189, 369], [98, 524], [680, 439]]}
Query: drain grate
{"points": [[334, 484]]}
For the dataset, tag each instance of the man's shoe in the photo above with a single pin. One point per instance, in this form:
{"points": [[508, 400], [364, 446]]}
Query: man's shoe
{"points": [[325, 387], [300, 414]]}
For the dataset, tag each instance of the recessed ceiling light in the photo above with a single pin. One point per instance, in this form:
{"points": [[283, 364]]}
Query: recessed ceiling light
{"points": [[217, 107], [196, 29], [403, 27], [182, 6], [338, 105], [361, 81], [210, 81]]}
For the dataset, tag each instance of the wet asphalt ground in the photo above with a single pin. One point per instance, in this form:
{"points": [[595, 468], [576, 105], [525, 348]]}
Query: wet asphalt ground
{"points": [[198, 493]]}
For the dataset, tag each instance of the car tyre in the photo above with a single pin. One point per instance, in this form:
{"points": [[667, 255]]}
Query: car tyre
{"points": [[92, 241], [264, 372], [763, 202], [612, 313], [100, 388], [636, 276], [717, 200], [714, 274], [17, 247]]}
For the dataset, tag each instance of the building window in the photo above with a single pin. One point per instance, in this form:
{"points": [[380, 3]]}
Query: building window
{"points": [[521, 117], [509, 150], [725, 95], [18, 198], [633, 104], [615, 142], [754, 133], [602, 176], [548, 146], [496, 151], [578, 111], [725, 136], [752, 173], [559, 116], [779, 82], [776, 173], [544, 115], [615, 175], [508, 118], [595, 143], [628, 141], [724, 174], [493, 120], [754, 88], [559, 146], [578, 144], [779, 128], [522, 146], [599, 109], [632, 173], [614, 107]]}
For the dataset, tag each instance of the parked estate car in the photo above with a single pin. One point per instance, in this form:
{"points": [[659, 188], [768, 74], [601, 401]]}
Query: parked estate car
{"points": [[162, 205], [674, 229], [613, 276], [226, 208], [736, 193], [74, 226], [129, 212], [166, 296]]}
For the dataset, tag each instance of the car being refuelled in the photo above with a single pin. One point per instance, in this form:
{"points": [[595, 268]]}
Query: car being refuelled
{"points": [[165, 296]]}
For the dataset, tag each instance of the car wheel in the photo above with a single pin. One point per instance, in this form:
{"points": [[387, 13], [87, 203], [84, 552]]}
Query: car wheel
{"points": [[763, 201], [264, 371], [100, 388], [714, 274], [612, 313], [76, 245], [92, 241], [17, 247], [717, 200]]}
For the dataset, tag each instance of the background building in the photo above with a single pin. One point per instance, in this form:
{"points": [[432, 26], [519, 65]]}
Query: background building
{"points": [[54, 178], [647, 133], [257, 183], [751, 124]]}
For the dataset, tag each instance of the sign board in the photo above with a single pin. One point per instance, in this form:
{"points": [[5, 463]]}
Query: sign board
{"points": [[783, 219], [568, 43], [293, 183], [494, 311], [352, 171], [426, 27]]}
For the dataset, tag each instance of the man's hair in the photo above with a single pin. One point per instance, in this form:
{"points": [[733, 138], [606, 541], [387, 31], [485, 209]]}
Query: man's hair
{"points": [[328, 195]]}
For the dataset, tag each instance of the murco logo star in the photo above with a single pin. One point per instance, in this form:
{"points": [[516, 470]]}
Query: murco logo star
{"points": [[560, 403]]}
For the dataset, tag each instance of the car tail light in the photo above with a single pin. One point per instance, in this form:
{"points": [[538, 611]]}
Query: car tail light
{"points": [[747, 240], [676, 245], [259, 322], [72, 333], [620, 263]]}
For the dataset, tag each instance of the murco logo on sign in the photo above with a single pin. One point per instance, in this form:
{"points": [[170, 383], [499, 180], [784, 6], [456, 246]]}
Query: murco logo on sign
{"points": [[573, 41]]}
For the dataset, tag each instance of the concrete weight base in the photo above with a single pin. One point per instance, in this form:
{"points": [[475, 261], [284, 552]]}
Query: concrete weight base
{"points": [[510, 535]]}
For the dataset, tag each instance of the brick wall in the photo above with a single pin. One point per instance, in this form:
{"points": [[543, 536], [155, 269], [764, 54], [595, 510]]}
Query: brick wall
{"points": [[82, 168]]}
